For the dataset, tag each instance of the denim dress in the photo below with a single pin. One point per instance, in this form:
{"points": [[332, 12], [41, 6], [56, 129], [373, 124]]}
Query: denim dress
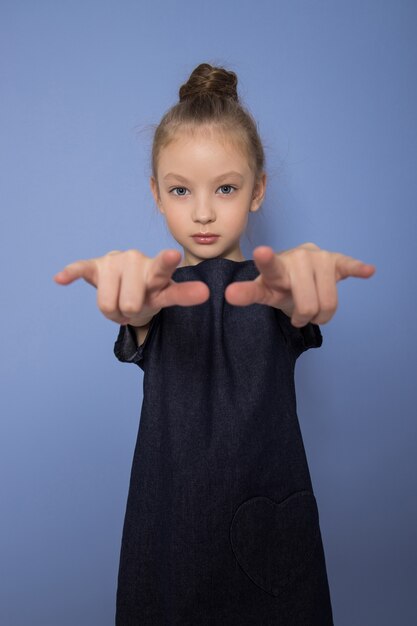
{"points": [[221, 525]]}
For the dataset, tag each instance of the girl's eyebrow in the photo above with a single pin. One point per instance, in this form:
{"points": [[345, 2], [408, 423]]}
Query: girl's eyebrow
{"points": [[225, 175]]}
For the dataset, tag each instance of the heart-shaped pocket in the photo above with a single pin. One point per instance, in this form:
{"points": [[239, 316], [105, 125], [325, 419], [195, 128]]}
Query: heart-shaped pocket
{"points": [[273, 542]]}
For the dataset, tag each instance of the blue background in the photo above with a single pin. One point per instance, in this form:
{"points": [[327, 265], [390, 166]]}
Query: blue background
{"points": [[333, 87]]}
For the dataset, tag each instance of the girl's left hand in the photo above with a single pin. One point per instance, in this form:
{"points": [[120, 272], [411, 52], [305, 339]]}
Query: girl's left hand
{"points": [[300, 281]]}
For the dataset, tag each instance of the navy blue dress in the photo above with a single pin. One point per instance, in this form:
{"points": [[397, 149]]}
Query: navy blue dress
{"points": [[221, 525]]}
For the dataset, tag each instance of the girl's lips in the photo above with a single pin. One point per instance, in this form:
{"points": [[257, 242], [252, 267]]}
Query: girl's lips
{"points": [[205, 238]]}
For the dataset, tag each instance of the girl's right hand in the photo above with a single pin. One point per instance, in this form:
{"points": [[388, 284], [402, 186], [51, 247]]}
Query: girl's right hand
{"points": [[131, 287]]}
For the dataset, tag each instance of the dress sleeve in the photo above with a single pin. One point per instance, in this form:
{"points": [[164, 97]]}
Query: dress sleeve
{"points": [[126, 347], [299, 339]]}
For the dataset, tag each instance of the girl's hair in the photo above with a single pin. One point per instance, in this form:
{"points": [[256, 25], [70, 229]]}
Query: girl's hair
{"points": [[209, 101]]}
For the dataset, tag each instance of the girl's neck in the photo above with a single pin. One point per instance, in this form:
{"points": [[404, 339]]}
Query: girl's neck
{"points": [[185, 264]]}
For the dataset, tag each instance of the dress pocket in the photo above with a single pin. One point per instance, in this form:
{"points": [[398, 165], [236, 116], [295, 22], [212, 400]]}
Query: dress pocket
{"points": [[274, 542]]}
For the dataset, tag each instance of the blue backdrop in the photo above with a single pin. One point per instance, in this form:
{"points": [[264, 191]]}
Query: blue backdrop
{"points": [[333, 87]]}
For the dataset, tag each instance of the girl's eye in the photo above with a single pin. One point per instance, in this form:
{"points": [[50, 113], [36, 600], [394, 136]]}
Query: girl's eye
{"points": [[227, 187], [174, 188]]}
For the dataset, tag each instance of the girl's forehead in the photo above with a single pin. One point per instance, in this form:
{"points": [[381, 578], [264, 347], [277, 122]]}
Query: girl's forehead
{"points": [[229, 142], [205, 132]]}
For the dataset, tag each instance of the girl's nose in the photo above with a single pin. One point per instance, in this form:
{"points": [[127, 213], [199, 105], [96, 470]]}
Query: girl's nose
{"points": [[203, 212]]}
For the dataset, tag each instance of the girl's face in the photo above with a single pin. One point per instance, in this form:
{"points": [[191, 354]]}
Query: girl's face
{"points": [[206, 186]]}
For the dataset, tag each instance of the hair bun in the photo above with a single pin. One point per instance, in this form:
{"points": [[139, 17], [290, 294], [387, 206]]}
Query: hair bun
{"points": [[207, 79]]}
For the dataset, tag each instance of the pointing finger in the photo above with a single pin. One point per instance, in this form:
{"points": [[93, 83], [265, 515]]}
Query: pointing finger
{"points": [[244, 292], [348, 266], [86, 269], [161, 269], [271, 267], [187, 293]]}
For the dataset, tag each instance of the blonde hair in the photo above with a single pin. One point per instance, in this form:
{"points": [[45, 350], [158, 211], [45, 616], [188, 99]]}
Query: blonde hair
{"points": [[209, 101]]}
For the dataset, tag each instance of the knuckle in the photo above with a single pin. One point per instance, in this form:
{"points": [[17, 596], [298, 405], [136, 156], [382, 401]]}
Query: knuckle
{"points": [[324, 255], [108, 260], [114, 317], [134, 254], [129, 308], [302, 254], [105, 307], [307, 311], [329, 306], [312, 245]]}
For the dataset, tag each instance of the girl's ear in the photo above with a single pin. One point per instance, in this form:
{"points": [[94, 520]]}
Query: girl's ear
{"points": [[155, 193], [258, 192]]}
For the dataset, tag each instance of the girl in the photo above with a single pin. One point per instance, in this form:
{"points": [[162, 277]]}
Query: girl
{"points": [[221, 524]]}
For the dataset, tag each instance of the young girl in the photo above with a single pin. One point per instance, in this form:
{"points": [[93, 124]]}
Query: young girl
{"points": [[221, 523]]}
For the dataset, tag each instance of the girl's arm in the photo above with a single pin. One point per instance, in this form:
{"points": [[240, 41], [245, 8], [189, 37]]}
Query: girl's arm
{"points": [[141, 332]]}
